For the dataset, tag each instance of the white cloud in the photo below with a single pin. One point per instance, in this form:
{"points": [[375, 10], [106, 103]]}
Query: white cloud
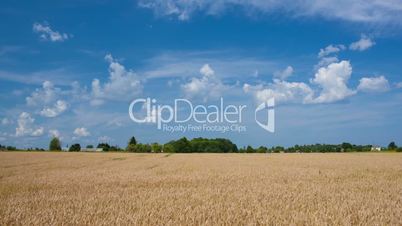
{"points": [[178, 65], [47, 99], [82, 132], [325, 61], [58, 108], [54, 133], [46, 95], [283, 75], [47, 34], [398, 85], [373, 84], [331, 49], [328, 55], [207, 71], [26, 126], [363, 44], [282, 91], [370, 11], [206, 87], [38, 132], [79, 93], [333, 80], [122, 85]]}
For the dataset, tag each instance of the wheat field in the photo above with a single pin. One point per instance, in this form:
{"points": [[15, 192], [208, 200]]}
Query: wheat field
{"points": [[200, 189]]}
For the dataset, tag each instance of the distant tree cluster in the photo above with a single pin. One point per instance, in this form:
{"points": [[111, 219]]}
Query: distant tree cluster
{"points": [[107, 147], [315, 148], [7, 148], [200, 145], [36, 149], [75, 148], [133, 146], [104, 146], [312, 148], [344, 147], [183, 145], [393, 147], [261, 149], [218, 145]]}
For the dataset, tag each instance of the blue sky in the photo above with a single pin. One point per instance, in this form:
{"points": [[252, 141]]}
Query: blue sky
{"points": [[70, 69]]}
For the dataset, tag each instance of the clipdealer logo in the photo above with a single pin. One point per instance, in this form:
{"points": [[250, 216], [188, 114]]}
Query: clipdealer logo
{"points": [[184, 116], [269, 107]]}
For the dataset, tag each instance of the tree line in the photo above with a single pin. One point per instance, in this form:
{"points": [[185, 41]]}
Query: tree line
{"points": [[217, 145]]}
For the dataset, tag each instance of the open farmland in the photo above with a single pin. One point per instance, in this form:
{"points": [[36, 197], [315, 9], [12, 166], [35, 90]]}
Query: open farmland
{"points": [[187, 189]]}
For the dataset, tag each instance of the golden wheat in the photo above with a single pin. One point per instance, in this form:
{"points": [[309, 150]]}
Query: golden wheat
{"points": [[194, 189]]}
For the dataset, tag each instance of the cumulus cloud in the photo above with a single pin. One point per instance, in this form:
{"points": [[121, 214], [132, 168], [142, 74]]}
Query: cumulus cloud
{"points": [[38, 132], [330, 50], [282, 91], [82, 132], [46, 95], [79, 93], [58, 108], [47, 34], [330, 84], [284, 74], [47, 99], [122, 85], [363, 44], [374, 84], [329, 55], [325, 61], [207, 87], [371, 11], [333, 81], [26, 126]]}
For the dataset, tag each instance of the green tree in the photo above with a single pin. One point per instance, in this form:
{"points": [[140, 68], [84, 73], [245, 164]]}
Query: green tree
{"points": [[168, 148], [131, 148], [75, 148], [90, 146], [392, 146], [132, 141], [140, 148], [11, 148], [250, 149], [346, 146], [104, 146], [181, 146], [115, 148], [278, 149], [55, 144], [157, 148], [262, 149]]}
